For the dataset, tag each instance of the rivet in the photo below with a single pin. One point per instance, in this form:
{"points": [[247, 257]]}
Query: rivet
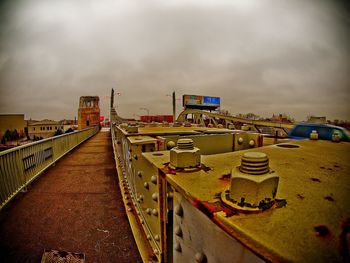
{"points": [[251, 143], [177, 247], [154, 179], [149, 237], [126, 197], [240, 140], [146, 185], [155, 212], [200, 257], [129, 209], [178, 210], [135, 157], [155, 196], [138, 212], [170, 195], [157, 238], [142, 221], [155, 251], [139, 174], [149, 211], [178, 231]]}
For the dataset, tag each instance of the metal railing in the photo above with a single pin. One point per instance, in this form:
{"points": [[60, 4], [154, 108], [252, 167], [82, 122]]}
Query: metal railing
{"points": [[19, 166]]}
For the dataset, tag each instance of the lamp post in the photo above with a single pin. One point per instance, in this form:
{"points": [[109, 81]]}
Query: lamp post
{"points": [[174, 105]]}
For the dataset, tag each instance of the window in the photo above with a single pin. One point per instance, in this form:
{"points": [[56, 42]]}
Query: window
{"points": [[56, 128], [34, 129]]}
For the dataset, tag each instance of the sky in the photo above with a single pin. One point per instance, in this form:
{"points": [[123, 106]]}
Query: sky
{"points": [[261, 56]]}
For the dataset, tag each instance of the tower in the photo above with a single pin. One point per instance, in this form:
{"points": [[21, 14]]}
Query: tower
{"points": [[88, 112]]}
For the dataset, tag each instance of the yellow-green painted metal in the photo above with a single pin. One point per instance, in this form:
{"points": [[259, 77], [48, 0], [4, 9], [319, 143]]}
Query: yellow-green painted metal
{"points": [[308, 221], [314, 181], [21, 165]]}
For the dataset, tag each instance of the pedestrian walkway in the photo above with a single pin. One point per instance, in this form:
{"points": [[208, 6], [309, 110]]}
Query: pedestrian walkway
{"points": [[75, 206]]}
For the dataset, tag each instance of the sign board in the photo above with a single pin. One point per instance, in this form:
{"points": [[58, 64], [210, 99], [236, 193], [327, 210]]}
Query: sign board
{"points": [[195, 101]]}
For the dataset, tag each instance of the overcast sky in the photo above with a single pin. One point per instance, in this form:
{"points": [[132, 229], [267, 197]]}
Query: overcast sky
{"points": [[273, 56]]}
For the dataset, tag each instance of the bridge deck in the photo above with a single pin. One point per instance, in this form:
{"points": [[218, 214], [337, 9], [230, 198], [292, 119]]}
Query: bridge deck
{"points": [[76, 207]]}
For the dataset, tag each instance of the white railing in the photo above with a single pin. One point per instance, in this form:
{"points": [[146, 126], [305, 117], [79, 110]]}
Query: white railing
{"points": [[19, 166]]}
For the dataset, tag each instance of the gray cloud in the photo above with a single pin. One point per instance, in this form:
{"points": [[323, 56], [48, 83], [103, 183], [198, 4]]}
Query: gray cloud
{"points": [[259, 56]]}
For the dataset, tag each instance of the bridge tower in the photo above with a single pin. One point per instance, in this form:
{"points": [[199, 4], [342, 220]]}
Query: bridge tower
{"points": [[88, 112]]}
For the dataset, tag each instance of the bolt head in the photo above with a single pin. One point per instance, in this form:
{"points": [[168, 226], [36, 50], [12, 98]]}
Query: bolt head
{"points": [[185, 158], [155, 196], [154, 179], [251, 143]]}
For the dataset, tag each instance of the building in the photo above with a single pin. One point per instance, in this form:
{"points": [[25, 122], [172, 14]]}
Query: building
{"points": [[68, 124], [43, 129], [12, 122], [88, 112], [157, 118], [317, 119]]}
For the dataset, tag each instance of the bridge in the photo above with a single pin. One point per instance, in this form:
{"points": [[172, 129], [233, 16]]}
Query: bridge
{"points": [[76, 205], [199, 116], [179, 198]]}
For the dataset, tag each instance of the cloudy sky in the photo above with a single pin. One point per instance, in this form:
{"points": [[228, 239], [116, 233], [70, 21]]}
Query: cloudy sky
{"points": [[262, 56]]}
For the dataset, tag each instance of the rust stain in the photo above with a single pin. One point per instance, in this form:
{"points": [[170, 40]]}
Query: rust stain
{"points": [[315, 179], [322, 231]]}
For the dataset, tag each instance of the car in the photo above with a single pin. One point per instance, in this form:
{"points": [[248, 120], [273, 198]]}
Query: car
{"points": [[325, 131]]}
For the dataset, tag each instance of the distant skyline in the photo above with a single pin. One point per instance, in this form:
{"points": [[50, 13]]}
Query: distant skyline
{"points": [[260, 56]]}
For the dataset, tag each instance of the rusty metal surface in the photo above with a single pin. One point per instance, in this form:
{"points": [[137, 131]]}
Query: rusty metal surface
{"points": [[314, 181], [56, 256], [75, 206]]}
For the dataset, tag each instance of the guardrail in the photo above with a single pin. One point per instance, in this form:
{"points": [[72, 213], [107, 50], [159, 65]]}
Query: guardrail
{"points": [[19, 166]]}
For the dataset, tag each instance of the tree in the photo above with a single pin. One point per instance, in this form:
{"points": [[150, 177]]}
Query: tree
{"points": [[58, 132], [69, 130]]}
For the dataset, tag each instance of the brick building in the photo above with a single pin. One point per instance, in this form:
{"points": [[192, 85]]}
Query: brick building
{"points": [[88, 112]]}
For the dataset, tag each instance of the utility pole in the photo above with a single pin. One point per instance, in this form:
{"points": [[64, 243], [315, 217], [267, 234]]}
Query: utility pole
{"points": [[174, 107], [112, 98]]}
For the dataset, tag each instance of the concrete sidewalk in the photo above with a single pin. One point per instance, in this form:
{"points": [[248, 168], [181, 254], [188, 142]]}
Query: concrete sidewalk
{"points": [[75, 206]]}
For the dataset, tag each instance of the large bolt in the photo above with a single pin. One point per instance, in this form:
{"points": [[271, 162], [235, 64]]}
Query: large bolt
{"points": [[185, 155], [146, 185], [252, 183], [254, 163], [157, 238], [185, 144], [314, 135]]}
